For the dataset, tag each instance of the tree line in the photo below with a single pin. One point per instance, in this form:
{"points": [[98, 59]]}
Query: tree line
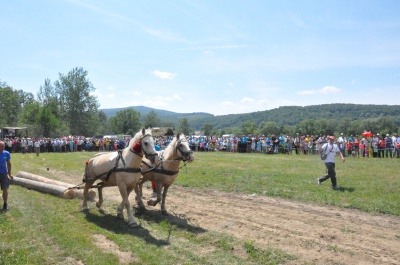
{"points": [[68, 106]]}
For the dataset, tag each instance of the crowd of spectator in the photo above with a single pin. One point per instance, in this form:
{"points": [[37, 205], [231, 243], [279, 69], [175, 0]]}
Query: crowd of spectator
{"points": [[65, 144], [374, 145], [353, 146]]}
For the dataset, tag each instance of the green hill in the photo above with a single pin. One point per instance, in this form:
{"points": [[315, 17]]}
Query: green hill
{"points": [[287, 115], [164, 115]]}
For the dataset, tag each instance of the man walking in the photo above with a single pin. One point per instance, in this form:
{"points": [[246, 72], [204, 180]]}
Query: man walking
{"points": [[330, 149]]}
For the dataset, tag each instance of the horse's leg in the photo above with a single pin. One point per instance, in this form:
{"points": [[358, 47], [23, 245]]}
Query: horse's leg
{"points": [[88, 185], [100, 191], [159, 194], [125, 202], [139, 194], [164, 196]]}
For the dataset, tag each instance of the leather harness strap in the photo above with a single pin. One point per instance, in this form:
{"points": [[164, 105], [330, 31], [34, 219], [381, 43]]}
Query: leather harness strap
{"points": [[161, 170], [115, 169]]}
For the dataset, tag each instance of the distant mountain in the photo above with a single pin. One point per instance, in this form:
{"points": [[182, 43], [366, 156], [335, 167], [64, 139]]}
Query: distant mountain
{"points": [[287, 115], [164, 115], [292, 115]]}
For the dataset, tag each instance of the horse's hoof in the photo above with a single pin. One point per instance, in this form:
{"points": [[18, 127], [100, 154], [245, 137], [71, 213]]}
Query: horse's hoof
{"points": [[85, 210], [139, 211], [120, 216], [165, 213], [134, 225], [151, 202], [98, 205]]}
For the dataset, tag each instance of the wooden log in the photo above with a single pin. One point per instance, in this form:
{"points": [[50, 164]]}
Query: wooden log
{"points": [[59, 191], [79, 193]]}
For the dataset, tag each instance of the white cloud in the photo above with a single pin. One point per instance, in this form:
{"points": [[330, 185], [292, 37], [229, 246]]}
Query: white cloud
{"points": [[161, 102], [307, 92], [247, 100], [230, 84], [175, 97], [163, 75], [105, 99], [324, 90], [227, 104], [330, 90]]}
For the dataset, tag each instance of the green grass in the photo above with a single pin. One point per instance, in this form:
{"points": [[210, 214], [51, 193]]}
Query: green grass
{"points": [[368, 184], [44, 229]]}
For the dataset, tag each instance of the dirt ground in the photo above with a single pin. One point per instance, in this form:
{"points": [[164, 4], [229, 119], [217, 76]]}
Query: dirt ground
{"points": [[314, 234]]}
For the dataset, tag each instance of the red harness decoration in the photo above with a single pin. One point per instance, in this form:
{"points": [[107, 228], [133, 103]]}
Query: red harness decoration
{"points": [[137, 148]]}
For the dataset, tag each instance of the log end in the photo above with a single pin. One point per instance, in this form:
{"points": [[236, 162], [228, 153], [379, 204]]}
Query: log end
{"points": [[69, 194]]}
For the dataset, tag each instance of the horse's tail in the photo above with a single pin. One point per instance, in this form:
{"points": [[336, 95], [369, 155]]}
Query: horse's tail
{"points": [[85, 174]]}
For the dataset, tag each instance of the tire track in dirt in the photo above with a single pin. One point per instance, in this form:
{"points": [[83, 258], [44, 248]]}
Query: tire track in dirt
{"points": [[314, 234]]}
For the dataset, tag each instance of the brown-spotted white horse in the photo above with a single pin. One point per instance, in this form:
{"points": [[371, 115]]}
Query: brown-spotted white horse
{"points": [[165, 173], [122, 169]]}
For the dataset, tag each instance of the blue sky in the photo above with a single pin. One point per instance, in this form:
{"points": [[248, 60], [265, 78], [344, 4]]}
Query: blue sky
{"points": [[220, 57]]}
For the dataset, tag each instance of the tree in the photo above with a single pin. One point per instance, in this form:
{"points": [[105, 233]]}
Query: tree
{"points": [[48, 122], [78, 106], [268, 128], [307, 127], [184, 127], [10, 104], [207, 128], [151, 120], [344, 125], [104, 124], [48, 96], [247, 127], [29, 113], [125, 120], [169, 132]]}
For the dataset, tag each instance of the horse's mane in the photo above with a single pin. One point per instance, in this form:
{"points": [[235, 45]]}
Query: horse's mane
{"points": [[138, 137], [171, 147]]}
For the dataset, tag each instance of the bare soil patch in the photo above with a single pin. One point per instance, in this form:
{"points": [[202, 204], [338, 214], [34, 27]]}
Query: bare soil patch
{"points": [[110, 247], [314, 234]]}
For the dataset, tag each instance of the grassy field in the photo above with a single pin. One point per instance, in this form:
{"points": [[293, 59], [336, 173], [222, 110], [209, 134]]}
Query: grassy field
{"points": [[43, 229]]}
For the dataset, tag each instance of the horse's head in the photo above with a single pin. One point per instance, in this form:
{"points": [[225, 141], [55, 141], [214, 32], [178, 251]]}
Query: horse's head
{"points": [[148, 146], [183, 148], [145, 145]]}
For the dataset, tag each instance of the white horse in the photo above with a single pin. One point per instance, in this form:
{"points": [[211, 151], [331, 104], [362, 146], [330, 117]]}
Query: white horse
{"points": [[165, 173], [120, 168]]}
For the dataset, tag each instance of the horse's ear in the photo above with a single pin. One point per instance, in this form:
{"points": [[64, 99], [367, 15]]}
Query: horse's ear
{"points": [[143, 131], [177, 135]]}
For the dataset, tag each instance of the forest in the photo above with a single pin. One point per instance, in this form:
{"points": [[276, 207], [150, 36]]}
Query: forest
{"points": [[68, 107]]}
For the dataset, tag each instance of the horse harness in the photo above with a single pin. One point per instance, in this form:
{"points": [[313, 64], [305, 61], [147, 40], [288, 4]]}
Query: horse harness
{"points": [[161, 170], [121, 169]]}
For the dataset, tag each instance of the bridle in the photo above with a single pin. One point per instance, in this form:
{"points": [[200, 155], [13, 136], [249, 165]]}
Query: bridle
{"points": [[142, 149], [159, 168], [184, 154]]}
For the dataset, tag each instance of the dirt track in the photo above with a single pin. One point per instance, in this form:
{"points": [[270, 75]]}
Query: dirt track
{"points": [[314, 234], [317, 235]]}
